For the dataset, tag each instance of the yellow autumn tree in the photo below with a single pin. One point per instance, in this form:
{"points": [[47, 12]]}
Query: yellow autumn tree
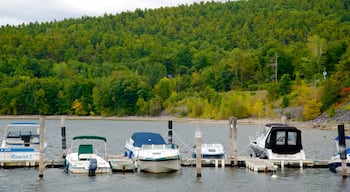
{"points": [[258, 108], [78, 108], [312, 109]]}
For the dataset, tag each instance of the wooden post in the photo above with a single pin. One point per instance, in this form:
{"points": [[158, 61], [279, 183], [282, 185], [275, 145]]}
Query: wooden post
{"points": [[63, 133], [342, 147], [42, 142], [233, 150], [170, 131], [230, 139], [235, 145], [198, 139]]}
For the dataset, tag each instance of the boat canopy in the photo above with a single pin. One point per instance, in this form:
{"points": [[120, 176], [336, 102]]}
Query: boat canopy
{"points": [[149, 138], [284, 140], [90, 137]]}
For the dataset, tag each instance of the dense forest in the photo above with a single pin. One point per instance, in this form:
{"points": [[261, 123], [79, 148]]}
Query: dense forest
{"points": [[203, 60]]}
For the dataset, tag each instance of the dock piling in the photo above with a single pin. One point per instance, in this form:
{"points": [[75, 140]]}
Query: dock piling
{"points": [[233, 149], [198, 139], [342, 147], [42, 141], [63, 133], [170, 131]]}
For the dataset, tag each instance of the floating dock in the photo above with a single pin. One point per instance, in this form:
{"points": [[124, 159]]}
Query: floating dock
{"points": [[121, 163]]}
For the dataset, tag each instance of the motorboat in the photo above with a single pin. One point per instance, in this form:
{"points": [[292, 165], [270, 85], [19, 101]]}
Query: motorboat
{"points": [[84, 158], [278, 141], [151, 153], [21, 144], [211, 151], [335, 163]]}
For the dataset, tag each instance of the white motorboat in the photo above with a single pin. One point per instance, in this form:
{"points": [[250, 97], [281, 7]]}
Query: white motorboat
{"points": [[20, 144], [278, 141], [84, 159], [335, 163], [152, 154], [211, 151]]}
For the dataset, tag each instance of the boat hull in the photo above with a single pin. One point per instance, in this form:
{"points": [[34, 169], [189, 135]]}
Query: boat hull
{"points": [[258, 152], [264, 153], [73, 165], [210, 156], [159, 166], [335, 164]]}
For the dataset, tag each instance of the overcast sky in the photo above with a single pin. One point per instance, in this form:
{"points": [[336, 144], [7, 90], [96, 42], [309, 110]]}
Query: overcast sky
{"points": [[15, 12]]}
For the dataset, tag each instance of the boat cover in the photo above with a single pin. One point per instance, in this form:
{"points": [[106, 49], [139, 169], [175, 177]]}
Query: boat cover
{"points": [[149, 138], [287, 145]]}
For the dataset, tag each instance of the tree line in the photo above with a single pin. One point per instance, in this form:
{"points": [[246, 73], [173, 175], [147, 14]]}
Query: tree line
{"points": [[201, 60]]}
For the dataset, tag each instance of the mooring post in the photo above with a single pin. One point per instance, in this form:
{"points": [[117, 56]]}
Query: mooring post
{"points": [[230, 139], [198, 139], [342, 148], [235, 147], [170, 131], [63, 133], [233, 150], [42, 142]]}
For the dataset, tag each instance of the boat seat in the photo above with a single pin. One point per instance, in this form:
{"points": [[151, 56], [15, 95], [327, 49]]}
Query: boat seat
{"points": [[83, 150]]}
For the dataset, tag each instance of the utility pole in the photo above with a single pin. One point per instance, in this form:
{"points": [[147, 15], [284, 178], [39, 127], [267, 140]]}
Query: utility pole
{"points": [[276, 66]]}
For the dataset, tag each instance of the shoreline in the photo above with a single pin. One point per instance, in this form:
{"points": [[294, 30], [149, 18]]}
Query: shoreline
{"points": [[245, 121]]}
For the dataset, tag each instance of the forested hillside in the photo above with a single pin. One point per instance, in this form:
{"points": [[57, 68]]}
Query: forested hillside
{"points": [[205, 60]]}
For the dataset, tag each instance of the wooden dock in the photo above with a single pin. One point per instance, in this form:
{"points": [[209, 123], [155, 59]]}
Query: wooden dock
{"points": [[254, 164], [260, 165]]}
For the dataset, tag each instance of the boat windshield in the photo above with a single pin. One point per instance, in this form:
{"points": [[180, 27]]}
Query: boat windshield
{"points": [[161, 146]]}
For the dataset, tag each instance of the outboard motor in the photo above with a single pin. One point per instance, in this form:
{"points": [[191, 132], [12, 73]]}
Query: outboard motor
{"points": [[92, 166]]}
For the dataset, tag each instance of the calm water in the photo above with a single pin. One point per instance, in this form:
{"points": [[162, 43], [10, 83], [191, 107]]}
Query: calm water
{"points": [[318, 144]]}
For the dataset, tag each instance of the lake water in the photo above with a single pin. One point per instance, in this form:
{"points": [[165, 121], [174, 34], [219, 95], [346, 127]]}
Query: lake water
{"points": [[318, 144]]}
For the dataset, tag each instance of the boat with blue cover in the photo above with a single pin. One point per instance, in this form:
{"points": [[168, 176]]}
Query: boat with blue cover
{"points": [[335, 163], [151, 153]]}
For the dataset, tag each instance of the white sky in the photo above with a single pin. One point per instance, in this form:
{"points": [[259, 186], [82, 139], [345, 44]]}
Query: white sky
{"points": [[16, 12]]}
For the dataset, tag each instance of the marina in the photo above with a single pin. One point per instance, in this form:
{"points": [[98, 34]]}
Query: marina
{"points": [[290, 175], [125, 162]]}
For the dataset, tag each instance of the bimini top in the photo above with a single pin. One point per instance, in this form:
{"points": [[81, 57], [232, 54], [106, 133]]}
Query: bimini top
{"points": [[141, 138], [90, 137]]}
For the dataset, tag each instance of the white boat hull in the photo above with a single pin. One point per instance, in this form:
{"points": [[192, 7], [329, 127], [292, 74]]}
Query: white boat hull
{"points": [[76, 166], [159, 166], [268, 154], [335, 164]]}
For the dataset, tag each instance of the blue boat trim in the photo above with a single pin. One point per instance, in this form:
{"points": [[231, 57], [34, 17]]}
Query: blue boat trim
{"points": [[17, 150]]}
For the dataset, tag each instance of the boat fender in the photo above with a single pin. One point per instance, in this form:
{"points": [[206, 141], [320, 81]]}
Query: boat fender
{"points": [[92, 166]]}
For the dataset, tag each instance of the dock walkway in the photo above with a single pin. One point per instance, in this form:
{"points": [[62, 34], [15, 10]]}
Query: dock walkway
{"points": [[254, 164]]}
